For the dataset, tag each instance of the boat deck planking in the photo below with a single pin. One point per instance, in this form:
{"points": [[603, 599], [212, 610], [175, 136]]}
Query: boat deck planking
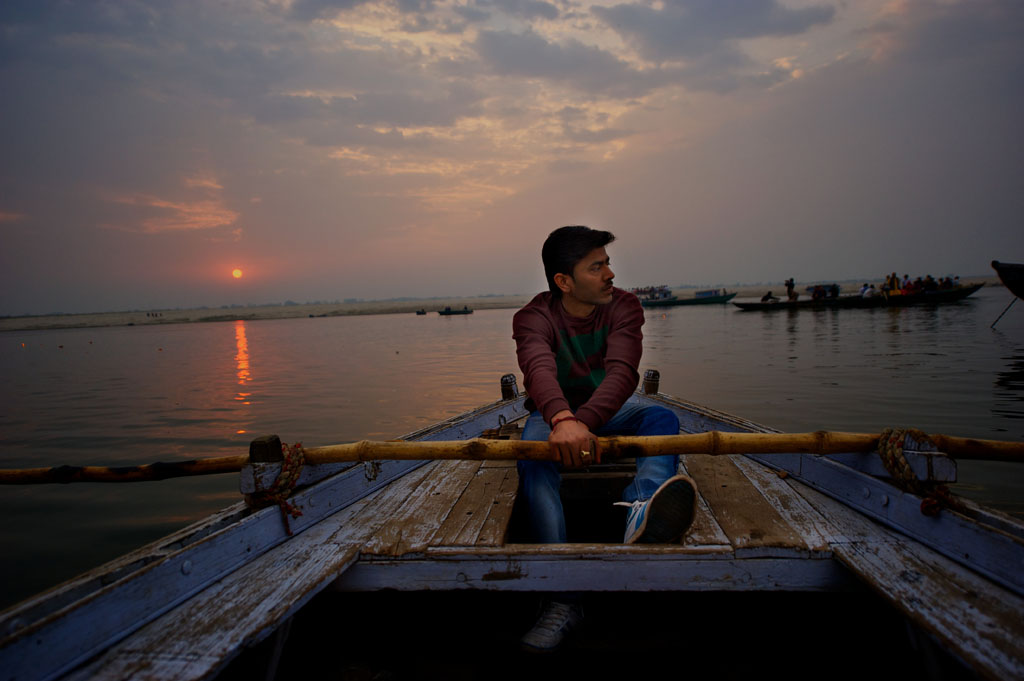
{"points": [[445, 525]]}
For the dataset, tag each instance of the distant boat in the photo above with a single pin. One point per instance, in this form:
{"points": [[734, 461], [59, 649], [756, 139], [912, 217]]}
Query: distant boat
{"points": [[661, 296], [421, 312], [1012, 276], [449, 311], [948, 295]]}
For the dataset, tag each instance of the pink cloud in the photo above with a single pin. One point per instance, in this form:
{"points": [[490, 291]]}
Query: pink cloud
{"points": [[182, 215]]}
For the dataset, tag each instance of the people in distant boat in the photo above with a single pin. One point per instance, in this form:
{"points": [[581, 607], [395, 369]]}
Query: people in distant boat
{"points": [[790, 293], [869, 291], [892, 283], [864, 289], [769, 298], [578, 387], [818, 292]]}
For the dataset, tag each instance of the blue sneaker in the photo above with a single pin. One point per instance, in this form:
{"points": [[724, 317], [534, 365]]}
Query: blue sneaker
{"points": [[665, 517]]}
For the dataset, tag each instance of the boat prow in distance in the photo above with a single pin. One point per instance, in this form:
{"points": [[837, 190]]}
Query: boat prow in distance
{"points": [[1012, 276], [365, 542], [938, 297]]}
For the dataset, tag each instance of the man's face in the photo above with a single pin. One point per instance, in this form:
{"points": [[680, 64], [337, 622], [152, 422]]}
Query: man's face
{"points": [[591, 281]]}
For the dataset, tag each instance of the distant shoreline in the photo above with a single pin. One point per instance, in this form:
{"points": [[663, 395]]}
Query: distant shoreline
{"points": [[254, 313], [371, 307]]}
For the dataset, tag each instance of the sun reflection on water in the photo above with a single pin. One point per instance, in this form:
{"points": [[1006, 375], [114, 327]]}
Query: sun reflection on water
{"points": [[242, 358]]}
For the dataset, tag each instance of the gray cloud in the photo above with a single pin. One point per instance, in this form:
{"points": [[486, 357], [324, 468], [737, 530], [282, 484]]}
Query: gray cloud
{"points": [[308, 10], [526, 9], [472, 13], [686, 29], [586, 68], [928, 31]]}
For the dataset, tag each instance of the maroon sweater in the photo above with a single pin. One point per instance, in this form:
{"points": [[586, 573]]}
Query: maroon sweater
{"points": [[588, 365]]}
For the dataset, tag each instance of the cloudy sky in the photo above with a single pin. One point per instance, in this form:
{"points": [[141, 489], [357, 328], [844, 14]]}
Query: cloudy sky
{"points": [[338, 149]]}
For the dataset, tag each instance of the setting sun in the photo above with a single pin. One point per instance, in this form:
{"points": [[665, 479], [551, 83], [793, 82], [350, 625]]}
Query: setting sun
{"points": [[236, 273]]}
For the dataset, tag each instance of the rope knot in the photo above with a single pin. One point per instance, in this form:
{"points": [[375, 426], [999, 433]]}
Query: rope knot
{"points": [[891, 443], [291, 467]]}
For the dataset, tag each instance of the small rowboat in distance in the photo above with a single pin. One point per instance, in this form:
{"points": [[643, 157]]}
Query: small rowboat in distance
{"points": [[950, 295], [448, 311]]}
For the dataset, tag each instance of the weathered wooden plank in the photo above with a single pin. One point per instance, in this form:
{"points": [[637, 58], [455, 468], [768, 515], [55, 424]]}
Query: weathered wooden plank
{"points": [[705, 530], [793, 508], [196, 639], [495, 528], [51, 634], [413, 526], [978, 620], [750, 522], [498, 463], [604, 572], [203, 634], [579, 550], [992, 551], [995, 519], [98, 619], [467, 517]]}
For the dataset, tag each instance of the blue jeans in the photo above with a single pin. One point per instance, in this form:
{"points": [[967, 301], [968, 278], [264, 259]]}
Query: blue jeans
{"points": [[540, 481]]}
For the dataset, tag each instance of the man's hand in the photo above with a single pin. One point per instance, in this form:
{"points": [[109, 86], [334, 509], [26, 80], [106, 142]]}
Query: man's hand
{"points": [[573, 442]]}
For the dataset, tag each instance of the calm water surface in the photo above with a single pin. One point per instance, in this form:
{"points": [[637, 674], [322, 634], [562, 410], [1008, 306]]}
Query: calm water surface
{"points": [[139, 394]]}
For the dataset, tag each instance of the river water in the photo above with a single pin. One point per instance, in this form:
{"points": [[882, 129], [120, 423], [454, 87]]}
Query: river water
{"points": [[131, 395]]}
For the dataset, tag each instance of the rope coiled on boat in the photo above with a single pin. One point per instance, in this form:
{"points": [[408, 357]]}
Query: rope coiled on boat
{"points": [[291, 468], [890, 447]]}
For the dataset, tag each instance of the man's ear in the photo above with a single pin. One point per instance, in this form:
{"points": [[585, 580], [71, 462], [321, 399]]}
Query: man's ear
{"points": [[562, 281]]}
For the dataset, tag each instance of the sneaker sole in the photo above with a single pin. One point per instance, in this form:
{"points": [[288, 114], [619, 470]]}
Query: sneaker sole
{"points": [[670, 513]]}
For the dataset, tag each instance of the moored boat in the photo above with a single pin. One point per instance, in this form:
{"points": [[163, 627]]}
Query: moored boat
{"points": [[789, 522], [950, 295], [661, 296]]}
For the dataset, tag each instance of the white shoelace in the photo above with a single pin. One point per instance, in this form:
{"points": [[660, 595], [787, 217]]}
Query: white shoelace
{"points": [[555, 616]]}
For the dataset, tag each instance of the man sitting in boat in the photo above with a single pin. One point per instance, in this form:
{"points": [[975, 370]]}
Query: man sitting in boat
{"points": [[579, 346]]}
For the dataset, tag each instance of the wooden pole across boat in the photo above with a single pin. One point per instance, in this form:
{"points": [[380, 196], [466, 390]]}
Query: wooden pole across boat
{"points": [[711, 442]]}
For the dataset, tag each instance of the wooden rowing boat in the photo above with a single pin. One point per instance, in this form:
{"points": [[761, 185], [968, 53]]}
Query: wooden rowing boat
{"points": [[941, 296], [1012, 276], [661, 296], [189, 605]]}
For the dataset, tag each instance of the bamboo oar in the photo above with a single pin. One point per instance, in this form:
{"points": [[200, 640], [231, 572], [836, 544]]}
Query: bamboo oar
{"points": [[711, 442]]}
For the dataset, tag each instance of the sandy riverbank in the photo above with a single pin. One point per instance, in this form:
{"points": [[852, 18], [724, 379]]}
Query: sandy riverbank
{"points": [[156, 317], [179, 316]]}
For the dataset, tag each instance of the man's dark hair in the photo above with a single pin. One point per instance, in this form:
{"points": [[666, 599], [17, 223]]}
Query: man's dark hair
{"points": [[566, 246]]}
